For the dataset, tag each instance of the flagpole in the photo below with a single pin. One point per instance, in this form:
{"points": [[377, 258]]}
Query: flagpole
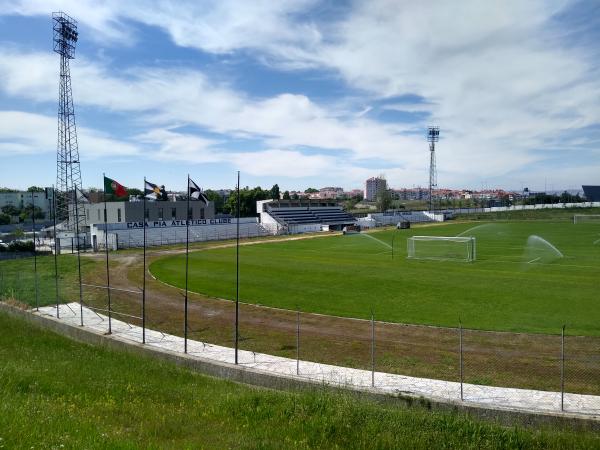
{"points": [[78, 256], [237, 273], [37, 298], [144, 270], [187, 249], [56, 250], [106, 249]]}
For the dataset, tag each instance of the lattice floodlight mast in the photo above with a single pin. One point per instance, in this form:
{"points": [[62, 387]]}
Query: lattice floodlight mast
{"points": [[69, 205], [433, 135]]}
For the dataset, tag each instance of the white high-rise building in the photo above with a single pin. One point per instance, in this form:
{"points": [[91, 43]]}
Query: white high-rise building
{"points": [[374, 186]]}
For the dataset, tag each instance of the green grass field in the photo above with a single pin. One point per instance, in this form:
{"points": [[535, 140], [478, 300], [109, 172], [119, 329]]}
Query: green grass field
{"points": [[58, 393], [17, 279], [529, 276]]}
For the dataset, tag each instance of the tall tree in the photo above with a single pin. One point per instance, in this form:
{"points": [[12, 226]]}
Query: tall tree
{"points": [[216, 199], [248, 199], [384, 200], [275, 192]]}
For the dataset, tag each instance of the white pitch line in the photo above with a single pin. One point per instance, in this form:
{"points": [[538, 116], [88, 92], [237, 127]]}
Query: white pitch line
{"points": [[534, 260]]}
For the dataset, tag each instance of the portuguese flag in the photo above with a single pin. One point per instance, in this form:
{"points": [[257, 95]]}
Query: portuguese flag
{"points": [[114, 187]]}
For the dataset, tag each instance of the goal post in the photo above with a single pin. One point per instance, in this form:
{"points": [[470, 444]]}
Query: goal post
{"points": [[586, 218], [457, 248]]}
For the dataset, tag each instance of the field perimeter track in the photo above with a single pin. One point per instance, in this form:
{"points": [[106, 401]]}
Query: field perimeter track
{"points": [[517, 360]]}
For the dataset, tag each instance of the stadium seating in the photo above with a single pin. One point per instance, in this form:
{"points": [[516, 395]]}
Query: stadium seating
{"points": [[320, 215]]}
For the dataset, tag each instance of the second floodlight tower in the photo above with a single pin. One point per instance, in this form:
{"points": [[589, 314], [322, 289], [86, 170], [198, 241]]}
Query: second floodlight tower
{"points": [[69, 207], [433, 136]]}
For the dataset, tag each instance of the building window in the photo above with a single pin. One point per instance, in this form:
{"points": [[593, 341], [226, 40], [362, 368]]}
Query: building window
{"points": [[160, 213], [173, 213], [190, 214], [87, 214], [202, 213], [147, 213], [98, 215], [119, 214]]}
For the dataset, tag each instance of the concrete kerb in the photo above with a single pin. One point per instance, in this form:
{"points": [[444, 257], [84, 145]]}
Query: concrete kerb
{"points": [[269, 380]]}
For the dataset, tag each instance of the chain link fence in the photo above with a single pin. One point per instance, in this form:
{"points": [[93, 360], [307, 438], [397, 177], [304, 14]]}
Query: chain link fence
{"points": [[544, 362]]}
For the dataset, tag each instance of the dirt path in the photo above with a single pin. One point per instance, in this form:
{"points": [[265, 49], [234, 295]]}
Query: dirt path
{"points": [[505, 359]]}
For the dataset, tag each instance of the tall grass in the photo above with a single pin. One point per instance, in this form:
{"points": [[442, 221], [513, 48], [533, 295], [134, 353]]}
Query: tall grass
{"points": [[57, 393]]}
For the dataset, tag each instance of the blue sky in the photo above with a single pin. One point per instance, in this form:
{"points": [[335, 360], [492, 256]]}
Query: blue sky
{"points": [[308, 93]]}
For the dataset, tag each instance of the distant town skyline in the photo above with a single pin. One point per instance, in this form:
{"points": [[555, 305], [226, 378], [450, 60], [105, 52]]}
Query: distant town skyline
{"points": [[309, 93]]}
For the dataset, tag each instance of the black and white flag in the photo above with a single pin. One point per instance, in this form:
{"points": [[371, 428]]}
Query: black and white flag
{"points": [[196, 193], [155, 192]]}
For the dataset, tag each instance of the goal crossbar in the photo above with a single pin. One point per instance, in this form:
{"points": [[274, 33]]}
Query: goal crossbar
{"points": [[443, 238]]}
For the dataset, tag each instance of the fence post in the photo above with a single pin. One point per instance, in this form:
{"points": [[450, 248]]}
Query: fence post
{"points": [[562, 369], [56, 251], [298, 341], [17, 292], [35, 278], [460, 347], [372, 349]]}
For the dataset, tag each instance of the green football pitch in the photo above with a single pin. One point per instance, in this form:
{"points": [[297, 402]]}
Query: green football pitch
{"points": [[529, 276]]}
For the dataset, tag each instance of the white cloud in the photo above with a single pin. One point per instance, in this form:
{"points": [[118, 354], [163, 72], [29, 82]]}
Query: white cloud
{"points": [[173, 146], [180, 96], [499, 78], [215, 26], [24, 133], [284, 163]]}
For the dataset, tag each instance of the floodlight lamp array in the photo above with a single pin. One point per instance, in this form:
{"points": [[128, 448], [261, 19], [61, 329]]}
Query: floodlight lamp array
{"points": [[433, 134], [65, 34]]}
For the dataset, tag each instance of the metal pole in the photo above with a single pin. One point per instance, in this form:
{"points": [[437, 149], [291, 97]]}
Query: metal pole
{"points": [[187, 249], [107, 268], [460, 344], [237, 273], [78, 257], [35, 277], [17, 285], [562, 369], [144, 271], [298, 341], [372, 349], [56, 250]]}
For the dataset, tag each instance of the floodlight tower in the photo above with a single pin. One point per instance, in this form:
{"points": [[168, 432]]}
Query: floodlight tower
{"points": [[69, 205], [433, 135]]}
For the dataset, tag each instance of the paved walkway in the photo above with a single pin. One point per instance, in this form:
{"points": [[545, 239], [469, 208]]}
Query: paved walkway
{"points": [[526, 400]]}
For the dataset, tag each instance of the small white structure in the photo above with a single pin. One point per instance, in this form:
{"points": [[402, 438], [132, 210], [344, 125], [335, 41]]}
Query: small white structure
{"points": [[459, 248], [585, 218]]}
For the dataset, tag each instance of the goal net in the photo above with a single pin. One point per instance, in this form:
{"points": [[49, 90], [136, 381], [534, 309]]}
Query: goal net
{"points": [[586, 218], [458, 248]]}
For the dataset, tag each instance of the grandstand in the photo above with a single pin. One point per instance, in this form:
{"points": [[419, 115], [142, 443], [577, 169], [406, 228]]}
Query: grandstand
{"points": [[304, 216]]}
